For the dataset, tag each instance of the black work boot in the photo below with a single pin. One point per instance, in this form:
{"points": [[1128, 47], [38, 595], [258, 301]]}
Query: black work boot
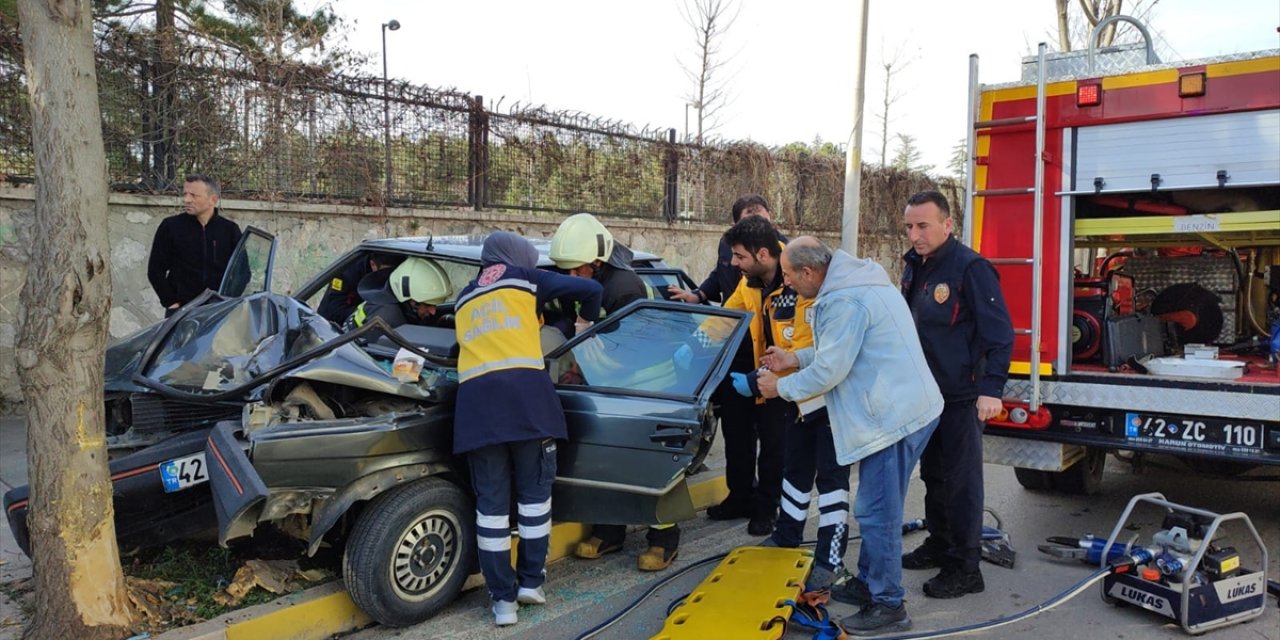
{"points": [[875, 619], [924, 557], [853, 591], [761, 523], [730, 509], [953, 583]]}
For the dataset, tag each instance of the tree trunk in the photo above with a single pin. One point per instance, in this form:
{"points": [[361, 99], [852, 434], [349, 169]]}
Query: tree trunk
{"points": [[79, 587], [1064, 27]]}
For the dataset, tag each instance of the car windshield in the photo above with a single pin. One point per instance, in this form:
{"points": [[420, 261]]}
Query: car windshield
{"points": [[656, 350]]}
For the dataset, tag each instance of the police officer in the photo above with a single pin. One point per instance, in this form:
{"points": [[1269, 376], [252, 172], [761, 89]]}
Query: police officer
{"points": [[407, 294], [584, 248], [959, 312], [511, 443]]}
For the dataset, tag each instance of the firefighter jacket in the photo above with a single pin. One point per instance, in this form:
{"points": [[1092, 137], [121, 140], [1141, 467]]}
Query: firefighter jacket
{"points": [[505, 393], [962, 320]]}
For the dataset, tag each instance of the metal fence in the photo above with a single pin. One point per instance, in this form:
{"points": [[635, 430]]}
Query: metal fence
{"points": [[287, 132]]}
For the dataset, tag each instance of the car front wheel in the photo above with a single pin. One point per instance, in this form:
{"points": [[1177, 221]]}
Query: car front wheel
{"points": [[409, 553]]}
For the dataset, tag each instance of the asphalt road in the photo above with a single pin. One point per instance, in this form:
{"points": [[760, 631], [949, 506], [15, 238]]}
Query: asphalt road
{"points": [[582, 594]]}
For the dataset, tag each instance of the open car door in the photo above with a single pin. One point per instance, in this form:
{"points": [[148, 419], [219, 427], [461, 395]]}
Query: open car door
{"points": [[636, 391], [249, 270]]}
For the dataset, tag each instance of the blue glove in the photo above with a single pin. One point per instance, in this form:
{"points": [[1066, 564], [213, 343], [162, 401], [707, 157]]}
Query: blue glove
{"points": [[741, 385], [683, 357]]}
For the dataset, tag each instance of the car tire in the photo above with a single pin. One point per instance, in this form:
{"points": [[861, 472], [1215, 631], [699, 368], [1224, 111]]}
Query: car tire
{"points": [[410, 552]]}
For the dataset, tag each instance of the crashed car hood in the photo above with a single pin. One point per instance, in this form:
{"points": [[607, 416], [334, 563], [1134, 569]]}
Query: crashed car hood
{"points": [[231, 348]]}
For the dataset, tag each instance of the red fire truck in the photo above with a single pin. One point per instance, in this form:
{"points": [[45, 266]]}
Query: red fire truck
{"points": [[1132, 208]]}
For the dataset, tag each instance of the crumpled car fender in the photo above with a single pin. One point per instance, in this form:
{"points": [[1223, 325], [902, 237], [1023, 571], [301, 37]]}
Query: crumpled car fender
{"points": [[365, 488]]}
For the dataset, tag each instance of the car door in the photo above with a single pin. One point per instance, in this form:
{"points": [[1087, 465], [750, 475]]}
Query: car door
{"points": [[636, 390], [249, 270], [659, 279]]}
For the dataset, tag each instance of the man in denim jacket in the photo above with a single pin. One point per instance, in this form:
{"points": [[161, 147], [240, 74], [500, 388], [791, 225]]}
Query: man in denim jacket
{"points": [[882, 400]]}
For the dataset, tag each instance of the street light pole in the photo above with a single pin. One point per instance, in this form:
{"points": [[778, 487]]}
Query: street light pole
{"points": [[386, 106]]}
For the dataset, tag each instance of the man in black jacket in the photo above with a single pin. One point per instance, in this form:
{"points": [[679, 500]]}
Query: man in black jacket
{"points": [[955, 299], [724, 277], [191, 250]]}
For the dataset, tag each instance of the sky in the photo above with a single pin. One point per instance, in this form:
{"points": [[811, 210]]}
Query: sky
{"points": [[790, 72]]}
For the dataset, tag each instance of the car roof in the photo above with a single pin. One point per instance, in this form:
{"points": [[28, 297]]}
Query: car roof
{"points": [[465, 247]]}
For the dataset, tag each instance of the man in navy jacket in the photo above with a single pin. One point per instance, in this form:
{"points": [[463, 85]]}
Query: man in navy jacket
{"points": [[960, 314]]}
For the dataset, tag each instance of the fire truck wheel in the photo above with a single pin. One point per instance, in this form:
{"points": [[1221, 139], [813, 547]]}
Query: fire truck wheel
{"points": [[1083, 478], [1034, 479]]}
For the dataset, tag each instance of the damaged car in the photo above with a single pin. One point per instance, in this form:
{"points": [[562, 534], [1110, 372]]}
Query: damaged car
{"points": [[321, 440]]}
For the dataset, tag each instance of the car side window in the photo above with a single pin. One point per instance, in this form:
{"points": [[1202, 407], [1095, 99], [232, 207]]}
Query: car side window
{"points": [[655, 350]]}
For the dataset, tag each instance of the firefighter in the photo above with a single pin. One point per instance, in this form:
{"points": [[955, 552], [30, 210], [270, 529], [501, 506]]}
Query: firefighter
{"points": [[584, 248], [967, 336], [342, 296], [408, 294], [512, 443]]}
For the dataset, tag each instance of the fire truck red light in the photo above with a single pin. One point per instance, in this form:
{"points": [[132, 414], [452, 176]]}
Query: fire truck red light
{"points": [[1088, 95]]}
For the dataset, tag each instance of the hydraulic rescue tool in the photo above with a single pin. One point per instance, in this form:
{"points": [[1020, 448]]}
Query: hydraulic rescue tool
{"points": [[1190, 572]]}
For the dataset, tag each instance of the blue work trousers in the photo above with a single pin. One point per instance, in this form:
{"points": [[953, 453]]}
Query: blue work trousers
{"points": [[882, 489], [811, 453], [529, 466]]}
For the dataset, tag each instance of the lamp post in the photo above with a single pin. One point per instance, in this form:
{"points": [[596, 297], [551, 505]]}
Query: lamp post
{"points": [[386, 106]]}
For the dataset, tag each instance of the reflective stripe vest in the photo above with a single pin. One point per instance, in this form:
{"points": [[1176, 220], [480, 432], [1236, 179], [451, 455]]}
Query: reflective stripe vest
{"points": [[497, 324]]}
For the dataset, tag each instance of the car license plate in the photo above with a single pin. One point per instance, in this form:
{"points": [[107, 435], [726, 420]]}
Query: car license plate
{"points": [[181, 473], [1194, 433]]}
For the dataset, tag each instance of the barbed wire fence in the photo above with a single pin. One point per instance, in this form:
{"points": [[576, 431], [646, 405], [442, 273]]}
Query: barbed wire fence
{"points": [[286, 131]]}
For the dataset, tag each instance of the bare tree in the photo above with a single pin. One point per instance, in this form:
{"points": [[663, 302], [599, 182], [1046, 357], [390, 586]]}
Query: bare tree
{"points": [[892, 67], [62, 334], [1077, 20], [710, 20]]}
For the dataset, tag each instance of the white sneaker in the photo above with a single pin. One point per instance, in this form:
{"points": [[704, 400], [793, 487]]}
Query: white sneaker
{"points": [[531, 596], [504, 612]]}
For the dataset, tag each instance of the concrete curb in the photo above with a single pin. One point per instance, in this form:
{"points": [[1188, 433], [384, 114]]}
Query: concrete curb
{"points": [[321, 612]]}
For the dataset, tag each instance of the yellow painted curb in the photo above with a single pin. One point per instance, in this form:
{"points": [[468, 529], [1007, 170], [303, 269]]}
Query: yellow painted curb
{"points": [[327, 610], [314, 619]]}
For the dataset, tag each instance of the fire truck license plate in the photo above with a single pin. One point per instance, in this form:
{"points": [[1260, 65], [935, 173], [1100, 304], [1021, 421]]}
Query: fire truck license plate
{"points": [[180, 473], [1197, 433]]}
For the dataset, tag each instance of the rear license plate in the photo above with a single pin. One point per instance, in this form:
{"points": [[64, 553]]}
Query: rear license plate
{"points": [[1194, 433], [181, 473]]}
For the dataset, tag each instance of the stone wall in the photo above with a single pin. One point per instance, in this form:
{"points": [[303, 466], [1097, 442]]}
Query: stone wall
{"points": [[310, 237]]}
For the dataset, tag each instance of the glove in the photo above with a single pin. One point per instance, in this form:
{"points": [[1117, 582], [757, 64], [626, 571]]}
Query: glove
{"points": [[741, 385], [683, 357]]}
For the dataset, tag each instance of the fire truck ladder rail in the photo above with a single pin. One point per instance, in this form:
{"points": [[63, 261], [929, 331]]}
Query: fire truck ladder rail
{"points": [[1036, 261]]}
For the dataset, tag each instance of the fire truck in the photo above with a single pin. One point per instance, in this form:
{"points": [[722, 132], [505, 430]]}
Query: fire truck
{"points": [[1132, 210]]}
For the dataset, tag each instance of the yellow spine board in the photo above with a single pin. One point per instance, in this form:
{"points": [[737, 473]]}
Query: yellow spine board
{"points": [[743, 597]]}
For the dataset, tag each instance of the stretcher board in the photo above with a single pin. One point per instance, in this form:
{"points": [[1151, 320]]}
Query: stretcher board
{"points": [[743, 597]]}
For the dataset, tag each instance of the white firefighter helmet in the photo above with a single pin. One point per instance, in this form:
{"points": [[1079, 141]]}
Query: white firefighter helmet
{"points": [[420, 280], [581, 239]]}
